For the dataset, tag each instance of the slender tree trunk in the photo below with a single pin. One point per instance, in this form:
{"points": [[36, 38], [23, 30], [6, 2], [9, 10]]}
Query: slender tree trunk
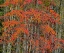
{"points": [[25, 41], [18, 38], [4, 43], [4, 48], [9, 48], [9, 44], [61, 16], [18, 45]]}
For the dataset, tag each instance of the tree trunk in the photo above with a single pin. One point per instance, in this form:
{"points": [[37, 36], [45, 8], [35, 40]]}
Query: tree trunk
{"points": [[4, 48], [4, 43]]}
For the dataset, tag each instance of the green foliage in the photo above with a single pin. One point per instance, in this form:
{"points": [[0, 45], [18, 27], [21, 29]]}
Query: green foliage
{"points": [[1, 9], [1, 1], [62, 51], [1, 14], [0, 48], [47, 3]]}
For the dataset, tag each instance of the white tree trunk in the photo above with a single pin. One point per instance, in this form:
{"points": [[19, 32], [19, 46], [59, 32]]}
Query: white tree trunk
{"points": [[4, 48]]}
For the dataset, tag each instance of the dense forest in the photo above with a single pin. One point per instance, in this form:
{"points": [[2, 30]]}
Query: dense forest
{"points": [[31, 26]]}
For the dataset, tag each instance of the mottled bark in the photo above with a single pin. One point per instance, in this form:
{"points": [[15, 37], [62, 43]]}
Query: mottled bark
{"points": [[4, 48], [18, 45], [4, 43], [9, 48]]}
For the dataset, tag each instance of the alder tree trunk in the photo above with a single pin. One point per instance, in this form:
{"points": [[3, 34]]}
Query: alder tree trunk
{"points": [[25, 41], [18, 38], [61, 16], [18, 45], [4, 43], [4, 48], [9, 46], [37, 30]]}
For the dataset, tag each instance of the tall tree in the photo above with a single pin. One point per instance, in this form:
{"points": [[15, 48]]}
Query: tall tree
{"points": [[34, 25]]}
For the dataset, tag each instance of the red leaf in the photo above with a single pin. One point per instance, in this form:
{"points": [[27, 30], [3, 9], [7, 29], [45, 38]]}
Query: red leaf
{"points": [[40, 2]]}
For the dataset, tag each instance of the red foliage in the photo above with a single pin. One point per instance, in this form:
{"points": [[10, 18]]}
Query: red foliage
{"points": [[40, 2], [47, 29], [48, 41]]}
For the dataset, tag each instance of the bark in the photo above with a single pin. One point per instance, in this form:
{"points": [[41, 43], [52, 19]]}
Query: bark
{"points": [[4, 43], [18, 45], [9, 44], [60, 29], [61, 16], [25, 41], [37, 30], [9, 48], [4, 48], [18, 38]]}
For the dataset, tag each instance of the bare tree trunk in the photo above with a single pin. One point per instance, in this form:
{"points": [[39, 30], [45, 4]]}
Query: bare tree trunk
{"points": [[37, 31], [25, 42], [4, 48], [61, 16], [9, 48], [18, 38], [18, 45], [9, 44], [4, 43]]}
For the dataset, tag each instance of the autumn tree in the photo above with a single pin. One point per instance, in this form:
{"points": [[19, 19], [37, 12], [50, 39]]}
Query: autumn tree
{"points": [[27, 25]]}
